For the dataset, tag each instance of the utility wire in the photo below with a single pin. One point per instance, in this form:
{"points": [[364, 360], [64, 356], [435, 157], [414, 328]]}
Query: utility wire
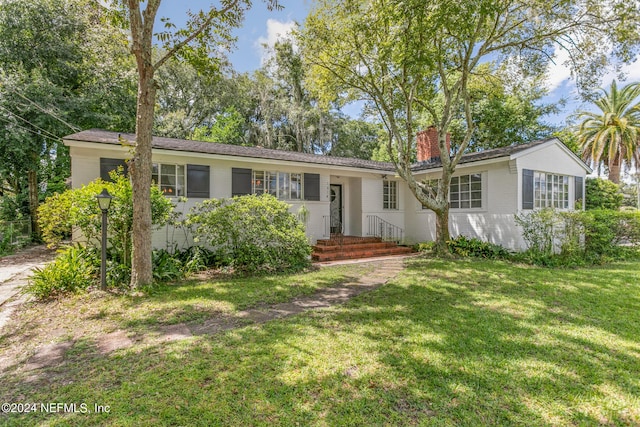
{"points": [[27, 121], [35, 104], [28, 130]]}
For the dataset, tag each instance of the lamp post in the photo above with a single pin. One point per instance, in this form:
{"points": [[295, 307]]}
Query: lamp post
{"points": [[104, 201]]}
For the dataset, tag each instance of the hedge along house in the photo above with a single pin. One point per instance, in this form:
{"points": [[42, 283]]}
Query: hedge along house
{"points": [[349, 196]]}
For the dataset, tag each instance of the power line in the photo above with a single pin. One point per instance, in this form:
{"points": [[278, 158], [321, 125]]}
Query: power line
{"points": [[28, 122], [72, 127], [35, 104], [28, 130]]}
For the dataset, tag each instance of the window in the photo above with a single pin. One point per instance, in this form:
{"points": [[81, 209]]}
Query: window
{"points": [[389, 194], [260, 182], [107, 165], [170, 178], [283, 185], [198, 181], [550, 190], [466, 191]]}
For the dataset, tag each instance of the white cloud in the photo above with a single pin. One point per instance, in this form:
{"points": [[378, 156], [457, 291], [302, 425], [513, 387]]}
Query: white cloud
{"points": [[631, 73], [558, 71], [276, 30]]}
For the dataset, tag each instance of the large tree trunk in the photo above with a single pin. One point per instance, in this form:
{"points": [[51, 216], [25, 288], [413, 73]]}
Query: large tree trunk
{"points": [[32, 177], [614, 170], [141, 266], [442, 231]]}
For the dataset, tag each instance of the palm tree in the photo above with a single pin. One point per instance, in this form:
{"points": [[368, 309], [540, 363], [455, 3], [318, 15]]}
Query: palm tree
{"points": [[611, 136]]}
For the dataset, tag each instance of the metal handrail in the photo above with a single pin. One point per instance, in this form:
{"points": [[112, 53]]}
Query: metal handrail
{"points": [[326, 231], [383, 229]]}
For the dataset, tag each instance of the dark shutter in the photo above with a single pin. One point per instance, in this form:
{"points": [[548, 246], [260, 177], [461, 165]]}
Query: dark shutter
{"points": [[240, 181], [198, 181], [312, 186], [107, 165], [527, 189], [579, 191]]}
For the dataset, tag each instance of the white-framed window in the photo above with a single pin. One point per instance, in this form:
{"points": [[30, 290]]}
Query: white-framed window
{"points": [[466, 191], [170, 178], [389, 194], [283, 185], [263, 184], [550, 190]]}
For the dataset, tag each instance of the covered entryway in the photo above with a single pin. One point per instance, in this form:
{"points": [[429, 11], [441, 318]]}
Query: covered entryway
{"points": [[347, 222], [336, 208]]}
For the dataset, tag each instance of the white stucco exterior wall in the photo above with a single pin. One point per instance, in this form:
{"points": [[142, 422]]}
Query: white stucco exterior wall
{"points": [[501, 196], [363, 191], [492, 222]]}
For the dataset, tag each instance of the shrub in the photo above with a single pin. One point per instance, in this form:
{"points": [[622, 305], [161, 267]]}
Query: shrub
{"points": [[579, 237], [424, 247], [606, 231], [5, 241], [539, 230], [79, 208], [251, 233], [197, 258], [60, 213], [72, 271], [602, 194], [466, 247]]}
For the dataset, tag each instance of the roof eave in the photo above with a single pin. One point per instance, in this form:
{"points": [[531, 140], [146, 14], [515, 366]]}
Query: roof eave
{"points": [[561, 145], [225, 156]]}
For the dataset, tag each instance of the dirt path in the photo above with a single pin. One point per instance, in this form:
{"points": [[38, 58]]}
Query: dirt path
{"points": [[386, 269], [14, 272]]}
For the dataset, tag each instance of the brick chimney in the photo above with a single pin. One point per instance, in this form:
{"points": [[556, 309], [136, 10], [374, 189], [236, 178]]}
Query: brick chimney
{"points": [[427, 144]]}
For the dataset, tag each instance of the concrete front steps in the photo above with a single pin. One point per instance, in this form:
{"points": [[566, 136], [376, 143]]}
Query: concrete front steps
{"points": [[354, 247]]}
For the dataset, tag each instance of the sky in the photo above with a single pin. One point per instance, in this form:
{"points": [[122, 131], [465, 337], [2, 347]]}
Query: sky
{"points": [[264, 27]]}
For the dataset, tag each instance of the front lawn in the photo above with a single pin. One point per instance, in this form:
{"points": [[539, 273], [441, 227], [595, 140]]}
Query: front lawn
{"points": [[446, 343]]}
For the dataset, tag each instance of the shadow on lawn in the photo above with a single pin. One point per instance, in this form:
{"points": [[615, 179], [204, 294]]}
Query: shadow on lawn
{"points": [[195, 300], [446, 343]]}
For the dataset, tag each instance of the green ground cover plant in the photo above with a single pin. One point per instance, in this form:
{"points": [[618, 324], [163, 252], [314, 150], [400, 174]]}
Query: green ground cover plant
{"points": [[462, 342], [73, 270]]}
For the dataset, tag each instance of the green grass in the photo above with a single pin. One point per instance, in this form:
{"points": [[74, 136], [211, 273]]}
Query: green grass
{"points": [[446, 343]]}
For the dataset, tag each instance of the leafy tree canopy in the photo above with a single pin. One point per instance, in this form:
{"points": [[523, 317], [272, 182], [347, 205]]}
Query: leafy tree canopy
{"points": [[602, 194], [411, 60], [56, 76]]}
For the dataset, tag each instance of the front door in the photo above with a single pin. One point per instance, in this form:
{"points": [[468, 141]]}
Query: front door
{"points": [[336, 208]]}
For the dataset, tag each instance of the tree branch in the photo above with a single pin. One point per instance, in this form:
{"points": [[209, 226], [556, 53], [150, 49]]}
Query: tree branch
{"points": [[212, 15]]}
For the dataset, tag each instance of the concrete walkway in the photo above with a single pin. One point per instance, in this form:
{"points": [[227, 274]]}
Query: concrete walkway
{"points": [[15, 271], [385, 269]]}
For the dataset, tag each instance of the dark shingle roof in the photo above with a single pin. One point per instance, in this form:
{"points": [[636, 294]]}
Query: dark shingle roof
{"points": [[106, 137], [189, 146], [493, 153]]}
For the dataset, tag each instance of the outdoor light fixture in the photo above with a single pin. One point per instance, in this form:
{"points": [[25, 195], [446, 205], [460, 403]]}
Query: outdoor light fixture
{"points": [[104, 201]]}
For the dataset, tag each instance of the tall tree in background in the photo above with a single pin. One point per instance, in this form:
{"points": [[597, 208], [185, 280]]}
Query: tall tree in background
{"points": [[205, 34], [612, 135], [270, 107], [506, 110], [56, 76], [192, 104], [402, 55]]}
